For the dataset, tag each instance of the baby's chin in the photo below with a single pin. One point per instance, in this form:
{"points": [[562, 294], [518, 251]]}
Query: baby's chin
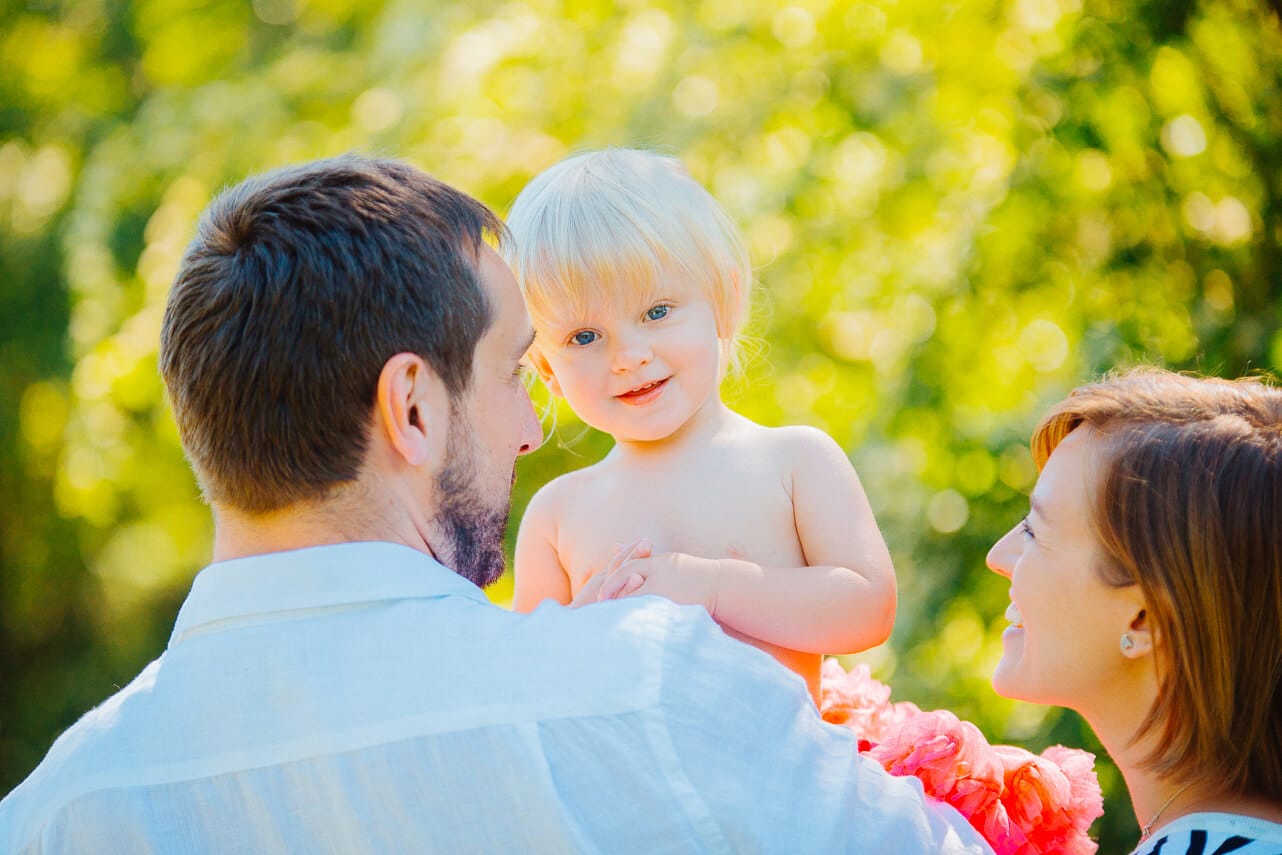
{"points": [[656, 435]]}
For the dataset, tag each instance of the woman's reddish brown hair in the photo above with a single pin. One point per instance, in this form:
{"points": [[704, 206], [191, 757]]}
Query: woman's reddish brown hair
{"points": [[1190, 509]]}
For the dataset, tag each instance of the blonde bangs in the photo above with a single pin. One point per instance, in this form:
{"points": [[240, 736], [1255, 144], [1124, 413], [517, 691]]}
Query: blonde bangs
{"points": [[575, 270], [605, 229]]}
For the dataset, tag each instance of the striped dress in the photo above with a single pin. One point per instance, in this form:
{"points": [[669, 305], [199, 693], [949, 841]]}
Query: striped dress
{"points": [[1214, 834]]}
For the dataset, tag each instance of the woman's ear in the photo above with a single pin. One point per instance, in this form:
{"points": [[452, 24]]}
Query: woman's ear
{"points": [[545, 372], [412, 408], [1139, 638]]}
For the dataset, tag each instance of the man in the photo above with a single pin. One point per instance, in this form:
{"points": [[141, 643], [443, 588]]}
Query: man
{"points": [[341, 349]]}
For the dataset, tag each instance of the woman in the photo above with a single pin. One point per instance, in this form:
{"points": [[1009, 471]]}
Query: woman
{"points": [[1146, 594]]}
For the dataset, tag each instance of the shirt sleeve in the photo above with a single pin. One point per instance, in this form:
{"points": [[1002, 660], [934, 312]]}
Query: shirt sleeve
{"points": [[764, 767]]}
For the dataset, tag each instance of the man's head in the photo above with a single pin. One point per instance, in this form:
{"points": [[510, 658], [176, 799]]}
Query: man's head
{"points": [[324, 311]]}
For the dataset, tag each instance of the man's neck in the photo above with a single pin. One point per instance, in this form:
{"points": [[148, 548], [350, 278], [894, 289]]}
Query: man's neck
{"points": [[241, 535]]}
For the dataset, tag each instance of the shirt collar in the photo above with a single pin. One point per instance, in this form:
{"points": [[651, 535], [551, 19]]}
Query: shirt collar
{"points": [[317, 577]]}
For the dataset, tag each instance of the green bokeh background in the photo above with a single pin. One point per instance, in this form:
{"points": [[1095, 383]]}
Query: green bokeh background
{"points": [[958, 211]]}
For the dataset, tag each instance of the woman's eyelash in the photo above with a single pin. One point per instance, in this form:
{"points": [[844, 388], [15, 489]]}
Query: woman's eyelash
{"points": [[1026, 528]]}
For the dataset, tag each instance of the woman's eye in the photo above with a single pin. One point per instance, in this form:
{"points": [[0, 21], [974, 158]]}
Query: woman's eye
{"points": [[657, 313], [1027, 529], [583, 338]]}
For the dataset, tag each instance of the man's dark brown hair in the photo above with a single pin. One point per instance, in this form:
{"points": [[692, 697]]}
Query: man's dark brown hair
{"points": [[298, 287]]}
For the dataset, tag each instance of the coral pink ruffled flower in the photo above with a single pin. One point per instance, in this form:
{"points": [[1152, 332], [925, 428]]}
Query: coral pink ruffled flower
{"points": [[949, 755], [1054, 798], [1079, 766], [1023, 803], [859, 702]]}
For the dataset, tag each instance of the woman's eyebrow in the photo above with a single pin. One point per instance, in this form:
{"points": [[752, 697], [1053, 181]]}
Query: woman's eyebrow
{"points": [[1038, 507]]}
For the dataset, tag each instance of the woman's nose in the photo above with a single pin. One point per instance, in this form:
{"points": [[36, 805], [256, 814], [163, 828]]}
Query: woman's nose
{"points": [[1001, 558]]}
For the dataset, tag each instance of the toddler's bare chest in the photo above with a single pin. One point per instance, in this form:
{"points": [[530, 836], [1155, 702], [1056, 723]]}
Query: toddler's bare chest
{"points": [[706, 514]]}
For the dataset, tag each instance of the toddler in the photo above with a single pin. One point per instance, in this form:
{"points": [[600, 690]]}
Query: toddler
{"points": [[638, 284]]}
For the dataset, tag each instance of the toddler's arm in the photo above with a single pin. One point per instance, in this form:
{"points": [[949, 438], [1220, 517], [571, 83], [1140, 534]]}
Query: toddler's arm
{"points": [[538, 571], [842, 601]]}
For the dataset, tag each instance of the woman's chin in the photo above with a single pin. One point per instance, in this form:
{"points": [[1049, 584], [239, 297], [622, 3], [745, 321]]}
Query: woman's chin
{"points": [[1006, 681]]}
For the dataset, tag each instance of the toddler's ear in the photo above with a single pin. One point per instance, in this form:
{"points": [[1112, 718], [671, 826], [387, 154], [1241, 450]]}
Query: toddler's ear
{"points": [[731, 319], [545, 372]]}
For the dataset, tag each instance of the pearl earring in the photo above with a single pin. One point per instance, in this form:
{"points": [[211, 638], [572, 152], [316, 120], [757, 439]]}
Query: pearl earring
{"points": [[1127, 642]]}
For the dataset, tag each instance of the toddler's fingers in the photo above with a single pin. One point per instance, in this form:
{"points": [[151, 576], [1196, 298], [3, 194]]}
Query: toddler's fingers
{"points": [[624, 554], [635, 581], [588, 593], [610, 575], [621, 583], [591, 591]]}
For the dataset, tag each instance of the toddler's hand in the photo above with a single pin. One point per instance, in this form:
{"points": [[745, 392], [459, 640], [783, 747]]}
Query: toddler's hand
{"points": [[591, 591], [681, 578]]}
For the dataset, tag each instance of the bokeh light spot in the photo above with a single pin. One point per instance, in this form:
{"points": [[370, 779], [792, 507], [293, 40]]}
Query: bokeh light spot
{"points": [[377, 109], [793, 26], [1044, 345], [695, 96], [948, 511], [1183, 136]]}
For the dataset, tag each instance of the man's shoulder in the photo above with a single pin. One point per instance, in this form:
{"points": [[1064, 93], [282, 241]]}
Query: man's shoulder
{"points": [[78, 759], [674, 643], [640, 626], [696, 652]]}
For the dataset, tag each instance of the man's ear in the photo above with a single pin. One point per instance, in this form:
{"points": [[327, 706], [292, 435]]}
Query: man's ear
{"points": [[545, 372], [412, 408]]}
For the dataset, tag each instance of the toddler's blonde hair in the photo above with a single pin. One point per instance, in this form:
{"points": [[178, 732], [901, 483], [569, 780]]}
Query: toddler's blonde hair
{"points": [[603, 226]]}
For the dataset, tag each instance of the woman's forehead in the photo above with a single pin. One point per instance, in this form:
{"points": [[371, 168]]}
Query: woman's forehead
{"points": [[1063, 490]]}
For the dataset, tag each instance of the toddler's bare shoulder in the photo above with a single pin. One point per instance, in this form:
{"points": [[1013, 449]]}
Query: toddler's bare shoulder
{"points": [[795, 444], [571, 490]]}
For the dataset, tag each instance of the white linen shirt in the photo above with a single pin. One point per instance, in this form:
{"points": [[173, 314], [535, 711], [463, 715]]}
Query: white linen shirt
{"points": [[363, 698]]}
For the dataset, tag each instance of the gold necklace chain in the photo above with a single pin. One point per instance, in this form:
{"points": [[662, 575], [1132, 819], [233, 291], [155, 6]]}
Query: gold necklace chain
{"points": [[1148, 829]]}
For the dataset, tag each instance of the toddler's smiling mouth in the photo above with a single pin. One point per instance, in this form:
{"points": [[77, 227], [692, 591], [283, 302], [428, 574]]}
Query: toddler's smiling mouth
{"points": [[643, 393], [1012, 614]]}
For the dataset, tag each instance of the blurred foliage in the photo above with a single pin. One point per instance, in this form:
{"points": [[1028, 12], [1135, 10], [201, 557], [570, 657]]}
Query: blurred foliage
{"points": [[959, 212]]}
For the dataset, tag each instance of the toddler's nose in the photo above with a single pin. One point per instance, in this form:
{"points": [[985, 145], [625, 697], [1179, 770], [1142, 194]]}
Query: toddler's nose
{"points": [[631, 354]]}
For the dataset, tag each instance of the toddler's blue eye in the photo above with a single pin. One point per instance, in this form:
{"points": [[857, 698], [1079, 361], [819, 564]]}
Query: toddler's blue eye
{"points": [[583, 337], [657, 313]]}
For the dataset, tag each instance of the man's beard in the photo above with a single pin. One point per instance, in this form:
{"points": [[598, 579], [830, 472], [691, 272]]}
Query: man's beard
{"points": [[473, 528]]}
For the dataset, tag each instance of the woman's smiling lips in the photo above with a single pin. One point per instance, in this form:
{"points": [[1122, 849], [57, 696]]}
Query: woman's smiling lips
{"points": [[1015, 618], [645, 393]]}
